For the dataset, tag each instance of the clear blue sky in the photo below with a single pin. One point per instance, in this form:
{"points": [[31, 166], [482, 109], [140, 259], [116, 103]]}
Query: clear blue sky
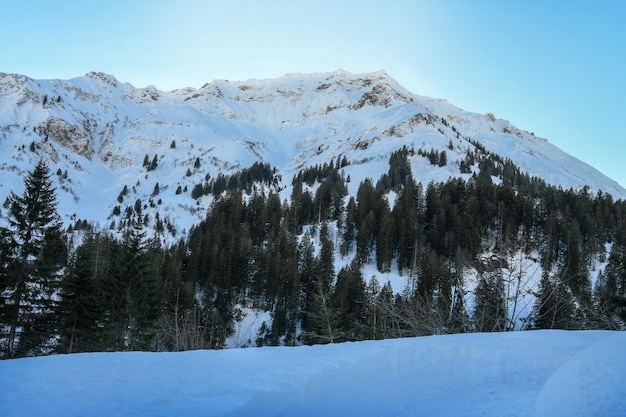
{"points": [[556, 68]]}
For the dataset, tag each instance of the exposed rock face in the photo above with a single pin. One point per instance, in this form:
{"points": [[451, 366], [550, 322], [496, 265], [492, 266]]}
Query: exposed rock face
{"points": [[67, 135], [100, 130]]}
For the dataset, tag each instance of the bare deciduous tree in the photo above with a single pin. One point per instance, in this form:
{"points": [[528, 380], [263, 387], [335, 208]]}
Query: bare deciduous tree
{"points": [[186, 330]]}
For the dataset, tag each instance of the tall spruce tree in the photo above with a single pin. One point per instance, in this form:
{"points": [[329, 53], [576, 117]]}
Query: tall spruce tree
{"points": [[349, 298], [307, 268], [323, 318], [326, 265], [34, 253], [137, 294], [80, 308]]}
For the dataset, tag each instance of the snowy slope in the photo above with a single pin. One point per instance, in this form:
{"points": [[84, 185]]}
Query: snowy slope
{"points": [[538, 373], [99, 130]]}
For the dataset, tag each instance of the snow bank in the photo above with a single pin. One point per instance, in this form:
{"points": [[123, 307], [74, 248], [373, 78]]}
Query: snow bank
{"points": [[507, 374], [592, 383]]}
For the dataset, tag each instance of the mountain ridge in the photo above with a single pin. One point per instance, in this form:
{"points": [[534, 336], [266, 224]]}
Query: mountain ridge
{"points": [[95, 131]]}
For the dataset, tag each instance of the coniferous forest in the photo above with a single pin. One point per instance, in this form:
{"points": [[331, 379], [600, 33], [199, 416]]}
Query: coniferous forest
{"points": [[67, 290]]}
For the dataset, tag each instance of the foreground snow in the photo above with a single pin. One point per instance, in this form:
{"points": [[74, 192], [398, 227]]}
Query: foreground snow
{"points": [[541, 373]]}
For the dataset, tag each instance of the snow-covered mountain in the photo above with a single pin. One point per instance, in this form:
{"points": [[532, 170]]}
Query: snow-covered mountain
{"points": [[97, 134]]}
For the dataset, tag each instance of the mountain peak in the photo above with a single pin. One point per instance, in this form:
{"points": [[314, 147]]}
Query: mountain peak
{"points": [[101, 131], [105, 78]]}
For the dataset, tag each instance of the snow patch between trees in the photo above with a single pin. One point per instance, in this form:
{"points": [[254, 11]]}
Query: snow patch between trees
{"points": [[247, 328]]}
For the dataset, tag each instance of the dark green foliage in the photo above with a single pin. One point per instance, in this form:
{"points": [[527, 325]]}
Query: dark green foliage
{"points": [[328, 202], [554, 308], [122, 194], [610, 290], [399, 168], [365, 219], [309, 279], [80, 308], [490, 312], [324, 320], [385, 239], [443, 159], [183, 325], [152, 165], [349, 298], [286, 309], [130, 293], [245, 179], [33, 254], [326, 265], [255, 250], [197, 191], [408, 213], [316, 174], [434, 157], [349, 229]]}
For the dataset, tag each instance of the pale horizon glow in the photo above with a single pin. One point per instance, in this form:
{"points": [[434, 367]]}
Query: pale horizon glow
{"points": [[556, 69]]}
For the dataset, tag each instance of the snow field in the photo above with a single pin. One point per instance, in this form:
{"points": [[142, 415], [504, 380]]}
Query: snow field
{"points": [[538, 373]]}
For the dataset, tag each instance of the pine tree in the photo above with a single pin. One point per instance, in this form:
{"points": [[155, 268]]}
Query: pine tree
{"points": [[153, 164], [148, 296], [371, 310], [443, 159], [349, 297], [384, 303], [80, 307], [385, 240], [554, 306], [326, 264], [349, 229], [490, 312], [323, 317], [34, 253], [610, 291], [365, 219], [408, 212], [139, 295], [307, 266], [182, 325]]}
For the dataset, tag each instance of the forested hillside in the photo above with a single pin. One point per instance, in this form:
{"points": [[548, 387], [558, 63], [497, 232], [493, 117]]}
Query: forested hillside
{"points": [[463, 245]]}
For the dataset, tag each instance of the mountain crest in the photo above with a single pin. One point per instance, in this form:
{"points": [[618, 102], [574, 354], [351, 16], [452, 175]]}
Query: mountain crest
{"points": [[100, 130], [105, 78]]}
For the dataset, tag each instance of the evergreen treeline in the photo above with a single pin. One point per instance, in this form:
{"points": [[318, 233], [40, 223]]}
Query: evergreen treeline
{"points": [[112, 294], [243, 180]]}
